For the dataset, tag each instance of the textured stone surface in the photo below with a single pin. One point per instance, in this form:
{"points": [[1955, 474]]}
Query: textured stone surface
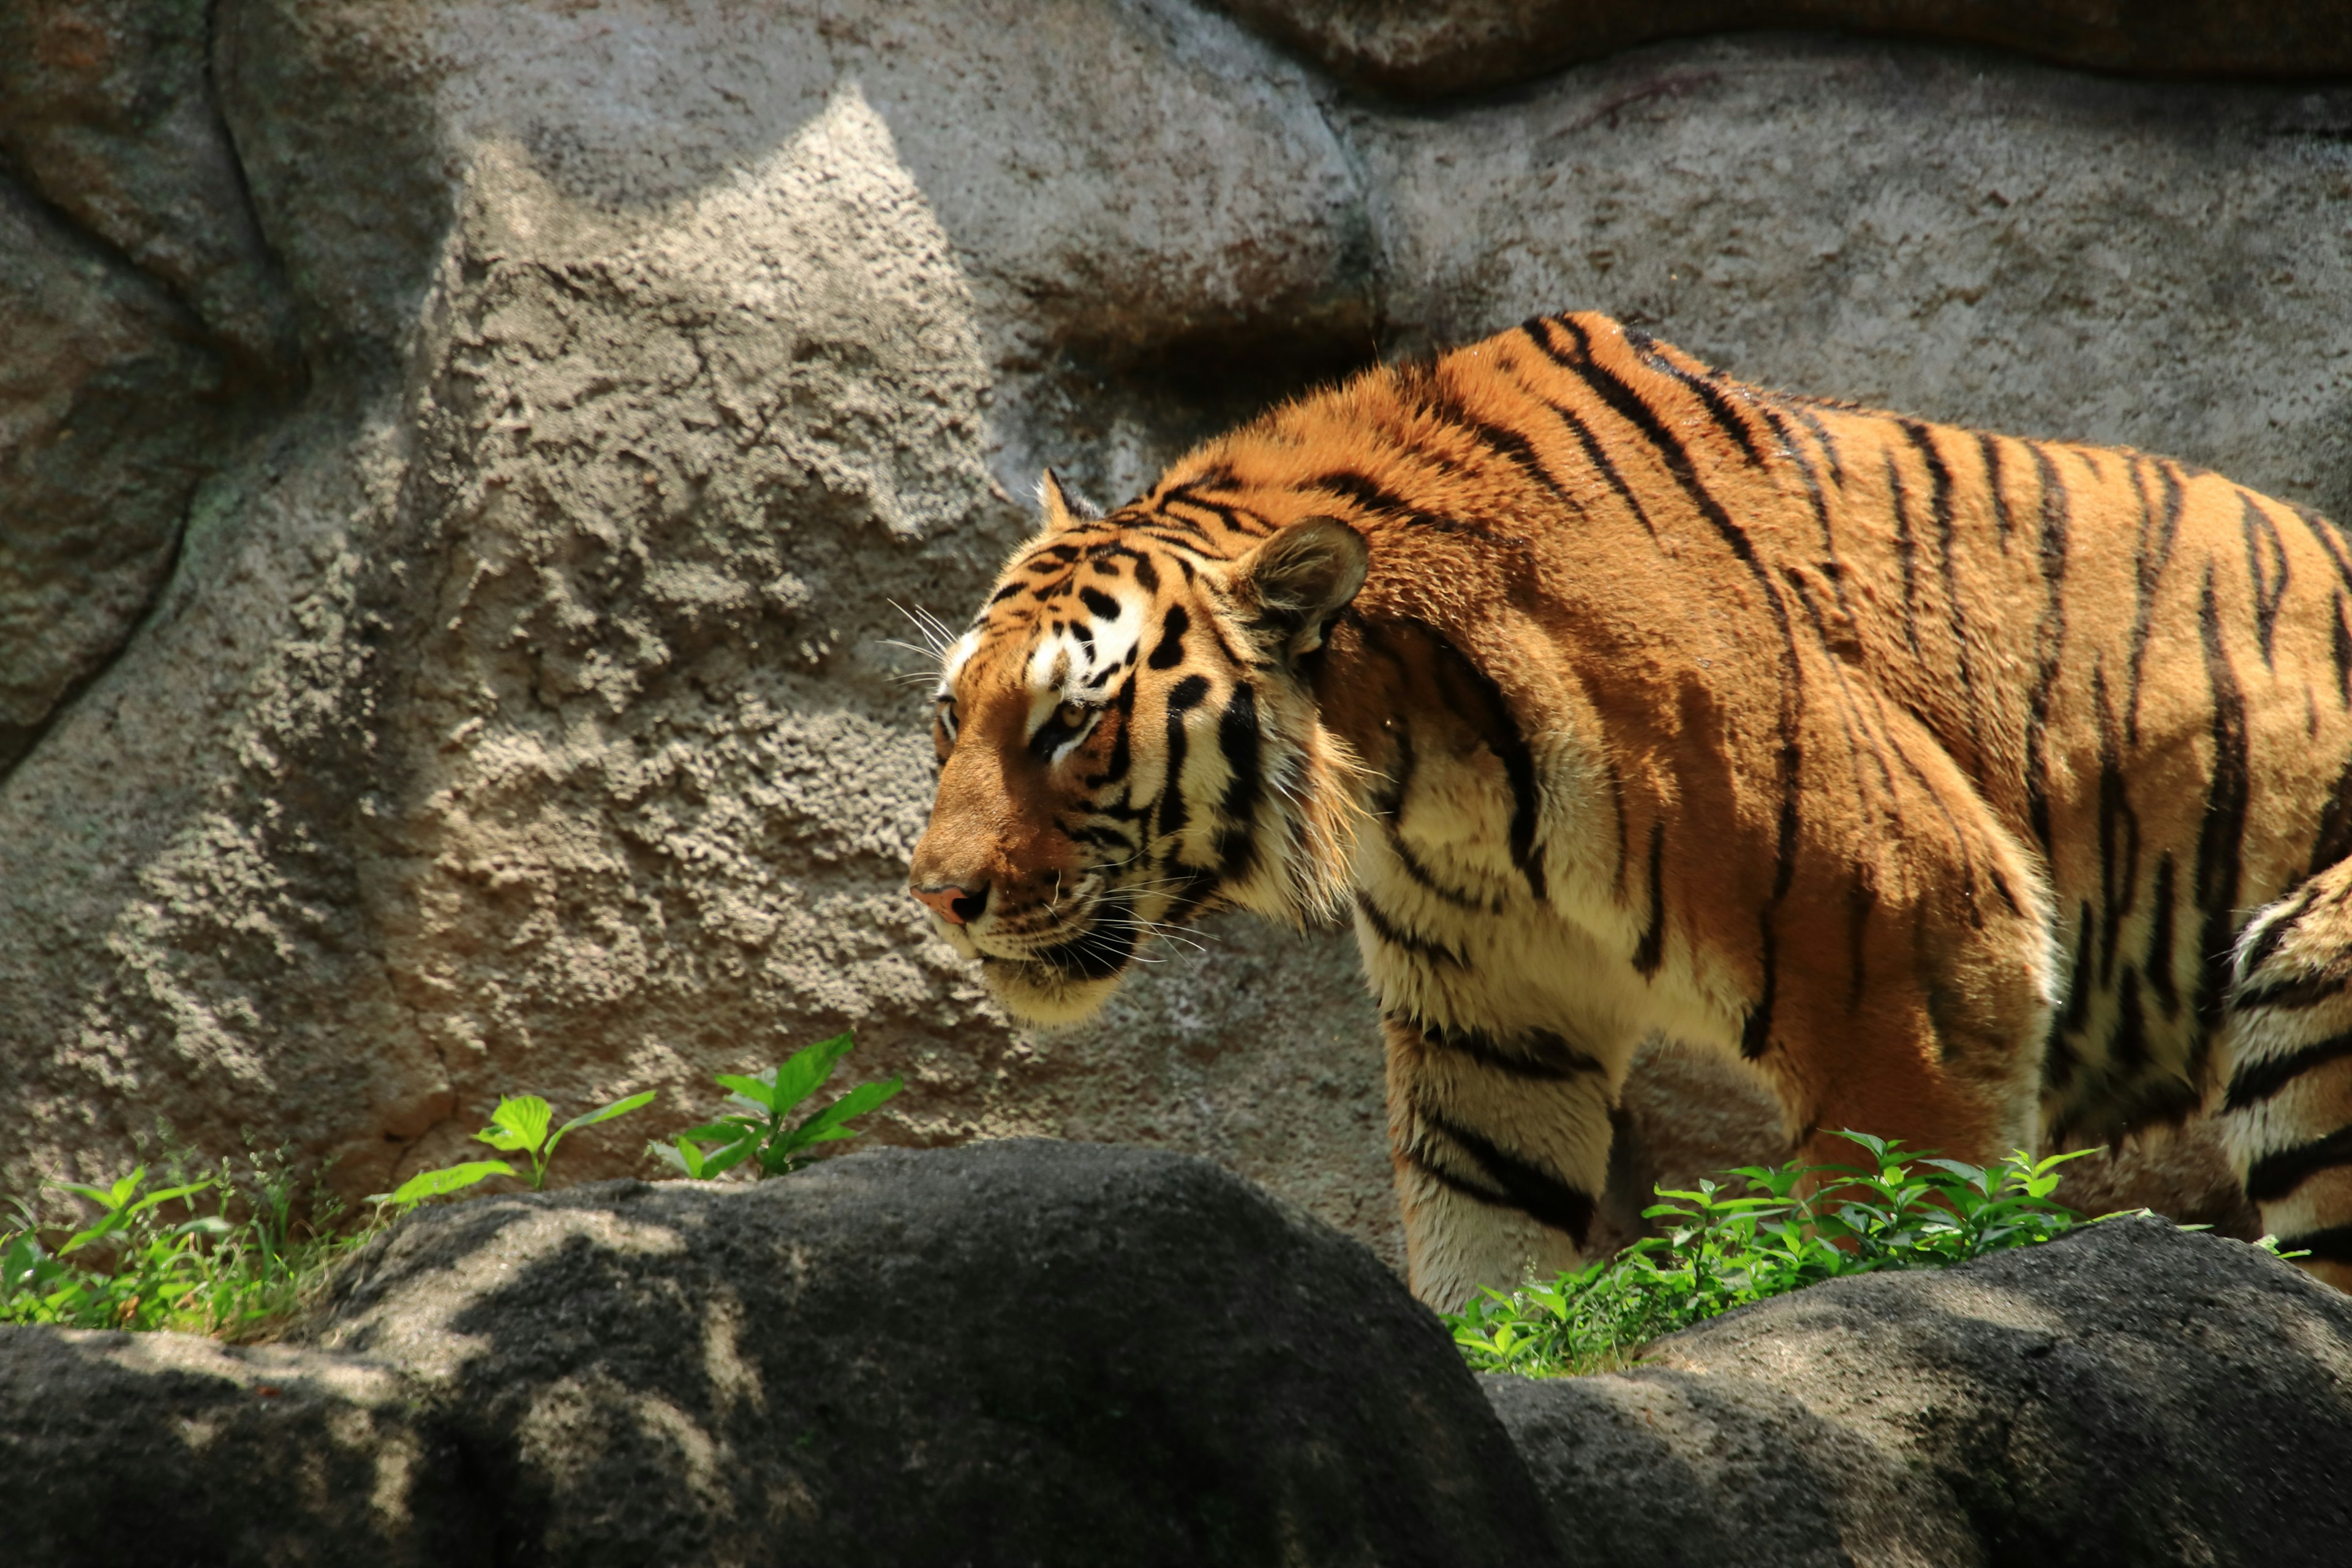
{"points": [[165, 1448], [2020, 248], [93, 486], [1416, 50], [1021, 1352], [112, 120], [2130, 1393], [522, 713], [140, 305]]}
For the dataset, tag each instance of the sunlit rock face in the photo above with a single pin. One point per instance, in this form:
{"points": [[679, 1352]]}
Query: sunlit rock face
{"points": [[477, 660]]}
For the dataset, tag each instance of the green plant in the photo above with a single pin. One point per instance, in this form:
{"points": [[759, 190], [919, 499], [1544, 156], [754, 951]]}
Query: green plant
{"points": [[1899, 1209], [520, 1125], [761, 1101], [150, 1261]]}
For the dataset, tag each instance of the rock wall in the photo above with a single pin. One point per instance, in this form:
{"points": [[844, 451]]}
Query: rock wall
{"points": [[476, 665]]}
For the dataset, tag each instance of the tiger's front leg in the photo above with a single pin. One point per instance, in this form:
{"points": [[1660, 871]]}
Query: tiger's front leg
{"points": [[1501, 1146]]}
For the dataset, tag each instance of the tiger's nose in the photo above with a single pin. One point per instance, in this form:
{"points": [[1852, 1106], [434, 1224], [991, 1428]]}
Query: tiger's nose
{"points": [[956, 905]]}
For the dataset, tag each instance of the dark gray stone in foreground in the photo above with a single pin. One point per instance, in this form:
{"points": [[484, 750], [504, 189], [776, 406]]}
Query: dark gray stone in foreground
{"points": [[2131, 1394], [1005, 1353]]}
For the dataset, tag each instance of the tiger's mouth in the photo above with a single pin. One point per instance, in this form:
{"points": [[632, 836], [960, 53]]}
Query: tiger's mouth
{"points": [[1059, 969]]}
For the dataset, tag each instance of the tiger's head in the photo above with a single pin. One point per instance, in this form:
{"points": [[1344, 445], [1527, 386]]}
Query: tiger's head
{"points": [[1126, 738]]}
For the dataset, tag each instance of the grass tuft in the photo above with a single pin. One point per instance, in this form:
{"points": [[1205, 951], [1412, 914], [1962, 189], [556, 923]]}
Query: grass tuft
{"points": [[1897, 1208]]}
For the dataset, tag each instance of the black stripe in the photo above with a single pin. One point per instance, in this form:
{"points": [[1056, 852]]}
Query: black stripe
{"points": [[1174, 812], [2220, 836], [2276, 1174], [2049, 641], [1906, 553], [1988, 451], [1427, 881], [1160, 518], [1168, 651], [2266, 564], [1427, 949], [2289, 995], [2078, 989], [1515, 1182], [2335, 840], [2058, 1060], [1237, 738], [1445, 404], [1709, 393], [1861, 903], [1651, 950], [1939, 511], [2330, 1245], [2119, 832], [1600, 459], [2274, 934], [2259, 1079], [1499, 729], [2159, 939], [1813, 493], [1356, 487], [1755, 1029], [2339, 648], [1101, 604], [1540, 1055], [2128, 1046], [2153, 553]]}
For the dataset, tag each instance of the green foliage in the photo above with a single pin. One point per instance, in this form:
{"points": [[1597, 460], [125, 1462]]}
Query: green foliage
{"points": [[1899, 1209], [520, 1125], [754, 1125], [154, 1260]]}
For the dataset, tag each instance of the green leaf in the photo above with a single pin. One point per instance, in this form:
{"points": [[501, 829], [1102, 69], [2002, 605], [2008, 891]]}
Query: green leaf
{"points": [[618, 1108], [825, 1127], [805, 1069], [518, 1123], [169, 1194], [759, 1090], [437, 1184], [726, 1130]]}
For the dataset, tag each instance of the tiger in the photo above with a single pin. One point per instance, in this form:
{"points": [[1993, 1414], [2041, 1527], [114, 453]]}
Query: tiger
{"points": [[1986, 792]]}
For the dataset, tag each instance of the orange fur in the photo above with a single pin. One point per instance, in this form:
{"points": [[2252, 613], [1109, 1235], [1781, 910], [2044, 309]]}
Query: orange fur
{"points": [[1936, 776]]}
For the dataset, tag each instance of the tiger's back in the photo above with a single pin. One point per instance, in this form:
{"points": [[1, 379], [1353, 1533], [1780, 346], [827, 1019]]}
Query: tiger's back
{"points": [[1935, 774]]}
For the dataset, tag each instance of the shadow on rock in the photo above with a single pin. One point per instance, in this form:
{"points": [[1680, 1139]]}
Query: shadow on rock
{"points": [[1024, 1353], [2130, 1394]]}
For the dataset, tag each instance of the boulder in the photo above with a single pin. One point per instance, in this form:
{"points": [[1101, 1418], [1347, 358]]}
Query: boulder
{"points": [[1416, 50], [1019, 1353], [2130, 1393]]}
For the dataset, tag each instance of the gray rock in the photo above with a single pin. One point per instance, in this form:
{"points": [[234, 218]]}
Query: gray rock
{"points": [[1009, 1353], [1421, 51], [112, 119], [122, 1449], [2130, 1393], [93, 483]]}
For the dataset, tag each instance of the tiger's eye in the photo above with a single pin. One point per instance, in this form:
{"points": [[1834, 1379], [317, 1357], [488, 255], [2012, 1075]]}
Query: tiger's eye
{"points": [[1070, 715]]}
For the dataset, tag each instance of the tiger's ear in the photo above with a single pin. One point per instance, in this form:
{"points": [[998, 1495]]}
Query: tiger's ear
{"points": [[1064, 508], [1292, 586]]}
